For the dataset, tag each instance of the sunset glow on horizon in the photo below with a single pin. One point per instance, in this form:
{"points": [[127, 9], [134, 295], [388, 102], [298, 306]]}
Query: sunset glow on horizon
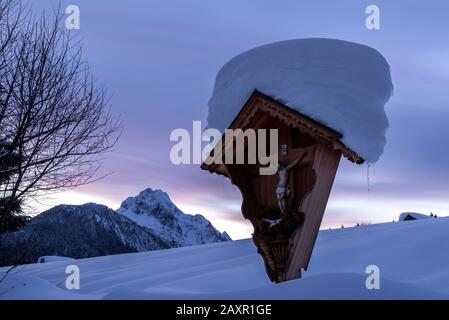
{"points": [[159, 61]]}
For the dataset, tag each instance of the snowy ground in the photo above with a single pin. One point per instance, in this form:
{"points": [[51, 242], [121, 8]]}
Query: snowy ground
{"points": [[412, 257]]}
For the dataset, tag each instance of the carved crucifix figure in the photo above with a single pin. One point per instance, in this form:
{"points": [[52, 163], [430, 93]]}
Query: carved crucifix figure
{"points": [[283, 190]]}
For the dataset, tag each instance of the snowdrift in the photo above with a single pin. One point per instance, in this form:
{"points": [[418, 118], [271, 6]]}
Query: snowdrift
{"points": [[341, 84]]}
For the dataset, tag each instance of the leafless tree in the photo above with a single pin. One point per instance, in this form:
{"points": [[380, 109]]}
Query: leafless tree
{"points": [[54, 119]]}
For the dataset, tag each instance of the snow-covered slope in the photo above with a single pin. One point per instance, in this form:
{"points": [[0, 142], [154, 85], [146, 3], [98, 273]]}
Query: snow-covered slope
{"points": [[154, 210], [341, 84], [411, 256]]}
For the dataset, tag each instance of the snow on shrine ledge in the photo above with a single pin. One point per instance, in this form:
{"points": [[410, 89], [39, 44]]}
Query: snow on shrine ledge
{"points": [[341, 84]]}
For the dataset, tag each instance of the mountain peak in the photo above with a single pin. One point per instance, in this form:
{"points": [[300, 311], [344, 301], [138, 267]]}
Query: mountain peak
{"points": [[147, 200], [153, 209], [150, 191]]}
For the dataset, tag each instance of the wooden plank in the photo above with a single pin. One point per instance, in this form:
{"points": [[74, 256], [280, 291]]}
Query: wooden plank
{"points": [[249, 201], [325, 165]]}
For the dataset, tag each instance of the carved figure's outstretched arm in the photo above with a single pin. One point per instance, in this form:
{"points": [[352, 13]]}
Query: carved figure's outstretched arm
{"points": [[299, 159]]}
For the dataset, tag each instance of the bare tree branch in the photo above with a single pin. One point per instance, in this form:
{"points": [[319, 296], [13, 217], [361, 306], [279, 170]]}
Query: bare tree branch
{"points": [[52, 113]]}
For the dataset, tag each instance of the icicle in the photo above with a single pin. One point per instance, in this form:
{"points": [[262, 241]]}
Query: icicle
{"points": [[368, 176]]}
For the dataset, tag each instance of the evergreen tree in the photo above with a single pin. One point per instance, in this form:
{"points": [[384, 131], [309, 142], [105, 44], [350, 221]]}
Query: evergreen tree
{"points": [[11, 217]]}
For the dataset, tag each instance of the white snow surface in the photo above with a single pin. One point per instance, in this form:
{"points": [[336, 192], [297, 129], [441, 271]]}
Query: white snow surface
{"points": [[341, 84], [411, 257], [415, 215]]}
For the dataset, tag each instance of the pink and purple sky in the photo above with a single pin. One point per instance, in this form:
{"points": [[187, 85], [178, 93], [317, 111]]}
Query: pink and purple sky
{"points": [[159, 59]]}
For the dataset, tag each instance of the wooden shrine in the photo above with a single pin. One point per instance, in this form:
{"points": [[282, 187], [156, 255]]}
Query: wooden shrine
{"points": [[286, 216]]}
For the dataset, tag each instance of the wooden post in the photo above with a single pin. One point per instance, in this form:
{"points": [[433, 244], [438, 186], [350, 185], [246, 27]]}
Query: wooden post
{"points": [[325, 165], [285, 239]]}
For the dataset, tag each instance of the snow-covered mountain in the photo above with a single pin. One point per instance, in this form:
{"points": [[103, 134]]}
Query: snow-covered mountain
{"points": [[147, 222], [154, 210], [88, 230]]}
